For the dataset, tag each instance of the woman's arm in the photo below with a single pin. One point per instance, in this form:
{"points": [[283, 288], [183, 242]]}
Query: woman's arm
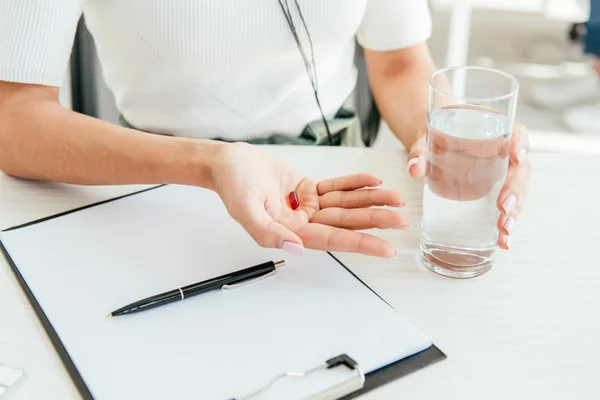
{"points": [[400, 81], [40, 139]]}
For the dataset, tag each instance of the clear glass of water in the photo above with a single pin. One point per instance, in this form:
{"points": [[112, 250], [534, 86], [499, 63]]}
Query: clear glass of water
{"points": [[471, 118]]}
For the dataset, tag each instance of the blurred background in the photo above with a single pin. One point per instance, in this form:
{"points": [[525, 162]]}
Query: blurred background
{"points": [[541, 42], [527, 38]]}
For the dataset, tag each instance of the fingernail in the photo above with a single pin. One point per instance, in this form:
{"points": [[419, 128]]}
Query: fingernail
{"points": [[507, 243], [392, 253], [521, 155], [509, 204], [508, 225], [398, 205], [412, 162], [293, 248]]}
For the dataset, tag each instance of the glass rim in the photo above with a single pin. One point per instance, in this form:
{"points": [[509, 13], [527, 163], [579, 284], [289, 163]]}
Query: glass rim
{"points": [[468, 99]]}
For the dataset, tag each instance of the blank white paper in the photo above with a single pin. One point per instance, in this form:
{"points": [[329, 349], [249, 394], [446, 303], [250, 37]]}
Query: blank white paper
{"points": [[213, 346]]}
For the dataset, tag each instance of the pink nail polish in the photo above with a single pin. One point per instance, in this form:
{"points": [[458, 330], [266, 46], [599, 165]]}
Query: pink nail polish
{"points": [[292, 248], [509, 224], [509, 204], [392, 254], [507, 243], [412, 162], [521, 155]]}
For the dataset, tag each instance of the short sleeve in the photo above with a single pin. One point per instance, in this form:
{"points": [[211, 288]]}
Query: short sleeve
{"points": [[394, 24], [36, 37]]}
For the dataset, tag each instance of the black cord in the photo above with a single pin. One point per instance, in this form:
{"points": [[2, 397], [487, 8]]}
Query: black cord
{"points": [[312, 52], [312, 73]]}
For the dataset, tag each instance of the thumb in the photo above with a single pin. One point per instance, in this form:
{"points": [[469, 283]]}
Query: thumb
{"points": [[417, 164], [267, 233]]}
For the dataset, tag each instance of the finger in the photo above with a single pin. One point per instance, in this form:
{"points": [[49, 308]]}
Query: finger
{"points": [[266, 233], [329, 238], [506, 224], [504, 242], [514, 192], [361, 218], [416, 165], [348, 182], [361, 198], [505, 227], [519, 144]]}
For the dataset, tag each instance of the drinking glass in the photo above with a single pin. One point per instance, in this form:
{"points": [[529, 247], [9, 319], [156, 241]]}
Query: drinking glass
{"points": [[471, 118]]}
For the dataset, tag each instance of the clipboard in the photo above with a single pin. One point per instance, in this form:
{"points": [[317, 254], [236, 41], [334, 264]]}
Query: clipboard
{"points": [[357, 383]]}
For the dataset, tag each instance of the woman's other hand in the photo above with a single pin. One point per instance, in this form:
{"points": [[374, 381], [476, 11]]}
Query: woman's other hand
{"points": [[514, 191]]}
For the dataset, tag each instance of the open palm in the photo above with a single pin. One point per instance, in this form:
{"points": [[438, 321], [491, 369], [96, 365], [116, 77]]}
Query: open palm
{"points": [[255, 186]]}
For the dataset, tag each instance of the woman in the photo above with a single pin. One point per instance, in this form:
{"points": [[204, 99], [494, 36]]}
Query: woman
{"points": [[236, 70]]}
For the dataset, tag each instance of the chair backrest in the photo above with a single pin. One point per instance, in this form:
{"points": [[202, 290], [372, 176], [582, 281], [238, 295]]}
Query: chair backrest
{"points": [[86, 85], [84, 82], [366, 107]]}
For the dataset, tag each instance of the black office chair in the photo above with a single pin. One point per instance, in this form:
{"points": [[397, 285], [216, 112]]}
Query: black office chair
{"points": [[366, 107], [84, 84]]}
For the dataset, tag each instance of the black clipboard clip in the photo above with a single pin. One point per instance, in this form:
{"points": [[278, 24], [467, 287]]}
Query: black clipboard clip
{"points": [[334, 392]]}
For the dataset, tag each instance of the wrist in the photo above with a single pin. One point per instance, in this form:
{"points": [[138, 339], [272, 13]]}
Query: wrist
{"points": [[200, 159]]}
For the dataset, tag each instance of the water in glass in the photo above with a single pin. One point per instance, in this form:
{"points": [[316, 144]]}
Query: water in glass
{"points": [[467, 154]]}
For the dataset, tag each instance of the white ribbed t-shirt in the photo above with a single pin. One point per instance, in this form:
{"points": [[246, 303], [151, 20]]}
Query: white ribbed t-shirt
{"points": [[209, 68]]}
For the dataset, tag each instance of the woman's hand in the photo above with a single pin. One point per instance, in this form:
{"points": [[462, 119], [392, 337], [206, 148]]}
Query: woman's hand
{"points": [[512, 195], [255, 186]]}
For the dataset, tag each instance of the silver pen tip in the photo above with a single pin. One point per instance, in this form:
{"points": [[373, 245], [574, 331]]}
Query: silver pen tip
{"points": [[279, 264]]}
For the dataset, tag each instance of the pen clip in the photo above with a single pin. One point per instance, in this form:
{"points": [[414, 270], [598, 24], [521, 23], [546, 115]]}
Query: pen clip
{"points": [[247, 282]]}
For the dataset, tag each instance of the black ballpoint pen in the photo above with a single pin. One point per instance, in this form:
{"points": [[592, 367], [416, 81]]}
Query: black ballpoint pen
{"points": [[227, 281]]}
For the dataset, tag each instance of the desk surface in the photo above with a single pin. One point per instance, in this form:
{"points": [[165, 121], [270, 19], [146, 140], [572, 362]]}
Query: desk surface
{"points": [[527, 329]]}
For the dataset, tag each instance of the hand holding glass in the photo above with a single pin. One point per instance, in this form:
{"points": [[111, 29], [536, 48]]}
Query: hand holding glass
{"points": [[471, 118]]}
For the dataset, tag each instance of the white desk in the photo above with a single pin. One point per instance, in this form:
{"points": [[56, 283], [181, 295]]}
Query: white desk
{"points": [[530, 328]]}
